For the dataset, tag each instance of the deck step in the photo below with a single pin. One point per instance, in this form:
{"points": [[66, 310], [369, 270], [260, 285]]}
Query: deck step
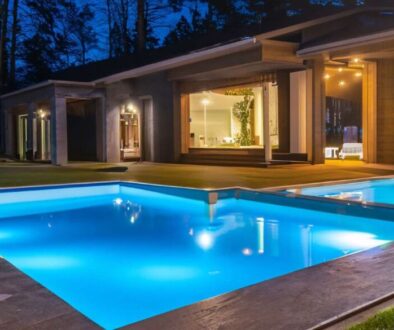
{"points": [[242, 160]]}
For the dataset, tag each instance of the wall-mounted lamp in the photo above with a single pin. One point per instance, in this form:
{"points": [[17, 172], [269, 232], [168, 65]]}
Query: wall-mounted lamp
{"points": [[130, 108], [41, 114]]}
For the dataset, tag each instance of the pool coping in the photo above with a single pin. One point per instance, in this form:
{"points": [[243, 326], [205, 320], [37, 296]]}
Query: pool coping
{"points": [[274, 195], [199, 308]]}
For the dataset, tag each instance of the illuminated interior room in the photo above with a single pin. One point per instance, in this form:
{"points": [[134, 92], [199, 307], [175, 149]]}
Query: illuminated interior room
{"points": [[231, 118]]}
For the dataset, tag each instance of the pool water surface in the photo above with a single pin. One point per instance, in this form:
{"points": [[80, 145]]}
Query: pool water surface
{"points": [[373, 191]]}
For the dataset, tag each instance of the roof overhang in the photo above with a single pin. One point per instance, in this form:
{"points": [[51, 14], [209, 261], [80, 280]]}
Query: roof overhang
{"points": [[46, 84], [346, 44], [172, 63]]}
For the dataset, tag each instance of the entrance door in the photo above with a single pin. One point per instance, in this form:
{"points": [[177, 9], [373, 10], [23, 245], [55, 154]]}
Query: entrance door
{"points": [[130, 135], [22, 137]]}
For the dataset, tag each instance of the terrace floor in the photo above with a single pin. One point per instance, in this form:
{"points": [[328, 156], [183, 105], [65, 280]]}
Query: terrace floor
{"points": [[199, 176]]}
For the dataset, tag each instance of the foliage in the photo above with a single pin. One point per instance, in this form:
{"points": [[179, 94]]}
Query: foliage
{"points": [[382, 321], [61, 32], [243, 112], [51, 35]]}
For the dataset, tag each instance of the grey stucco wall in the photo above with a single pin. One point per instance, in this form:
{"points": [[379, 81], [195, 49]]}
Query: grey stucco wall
{"points": [[161, 91]]}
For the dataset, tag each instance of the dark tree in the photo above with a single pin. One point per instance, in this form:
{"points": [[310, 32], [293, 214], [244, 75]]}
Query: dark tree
{"points": [[79, 22], [182, 32], [152, 14], [15, 31], [3, 44]]}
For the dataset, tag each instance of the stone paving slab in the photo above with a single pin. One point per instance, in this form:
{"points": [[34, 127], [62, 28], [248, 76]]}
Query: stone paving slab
{"points": [[25, 304], [298, 301]]}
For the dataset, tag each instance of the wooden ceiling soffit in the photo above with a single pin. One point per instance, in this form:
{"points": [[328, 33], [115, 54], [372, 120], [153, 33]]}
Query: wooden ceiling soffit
{"points": [[280, 52]]}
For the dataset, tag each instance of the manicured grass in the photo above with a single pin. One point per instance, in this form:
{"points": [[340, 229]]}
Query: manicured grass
{"points": [[187, 175], [381, 321]]}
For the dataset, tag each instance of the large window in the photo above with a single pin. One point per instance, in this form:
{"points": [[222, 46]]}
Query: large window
{"points": [[231, 118]]}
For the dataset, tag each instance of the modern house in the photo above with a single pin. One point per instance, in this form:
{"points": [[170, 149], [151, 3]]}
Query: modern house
{"points": [[283, 95]]}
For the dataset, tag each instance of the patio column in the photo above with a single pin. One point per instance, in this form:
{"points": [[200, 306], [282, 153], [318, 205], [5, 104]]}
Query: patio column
{"points": [[100, 129], [266, 122], [59, 153], [318, 112], [112, 136], [31, 109], [9, 133]]}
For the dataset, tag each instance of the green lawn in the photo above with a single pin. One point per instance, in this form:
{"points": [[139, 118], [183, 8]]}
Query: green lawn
{"points": [[188, 175], [381, 321]]}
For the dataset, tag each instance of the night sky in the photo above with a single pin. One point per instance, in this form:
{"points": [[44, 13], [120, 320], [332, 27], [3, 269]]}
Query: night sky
{"points": [[160, 32]]}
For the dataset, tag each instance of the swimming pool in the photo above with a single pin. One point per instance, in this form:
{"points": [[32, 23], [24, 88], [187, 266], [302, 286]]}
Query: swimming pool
{"points": [[380, 191], [120, 253]]}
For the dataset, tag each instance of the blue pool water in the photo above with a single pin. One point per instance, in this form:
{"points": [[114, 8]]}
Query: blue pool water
{"points": [[375, 191], [120, 254]]}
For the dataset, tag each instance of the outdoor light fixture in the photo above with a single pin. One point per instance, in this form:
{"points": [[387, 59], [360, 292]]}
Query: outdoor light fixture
{"points": [[130, 108], [205, 240], [205, 102], [118, 201], [41, 114]]}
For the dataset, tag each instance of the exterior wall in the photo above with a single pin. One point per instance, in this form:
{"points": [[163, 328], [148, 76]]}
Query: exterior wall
{"points": [[116, 95], [385, 111], [159, 122], [157, 88]]}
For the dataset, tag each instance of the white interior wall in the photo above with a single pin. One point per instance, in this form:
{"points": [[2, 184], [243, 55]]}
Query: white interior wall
{"points": [[298, 112]]}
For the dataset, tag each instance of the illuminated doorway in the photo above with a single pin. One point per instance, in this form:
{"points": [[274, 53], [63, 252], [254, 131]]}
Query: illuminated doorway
{"points": [[42, 133], [129, 134]]}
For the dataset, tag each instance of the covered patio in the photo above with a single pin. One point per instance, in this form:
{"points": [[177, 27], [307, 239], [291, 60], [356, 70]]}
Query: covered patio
{"points": [[41, 123]]}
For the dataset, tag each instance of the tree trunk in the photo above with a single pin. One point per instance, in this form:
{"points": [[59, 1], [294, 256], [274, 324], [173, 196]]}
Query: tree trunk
{"points": [[124, 19], [13, 42], [3, 45], [141, 28], [109, 20]]}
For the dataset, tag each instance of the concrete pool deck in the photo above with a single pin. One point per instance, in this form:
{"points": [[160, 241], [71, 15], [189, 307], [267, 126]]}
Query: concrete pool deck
{"points": [[25, 304], [301, 300]]}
